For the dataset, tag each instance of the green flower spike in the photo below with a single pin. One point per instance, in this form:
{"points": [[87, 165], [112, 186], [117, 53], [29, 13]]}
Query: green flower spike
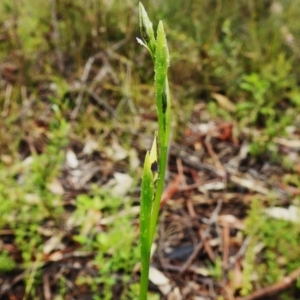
{"points": [[147, 32], [155, 160]]}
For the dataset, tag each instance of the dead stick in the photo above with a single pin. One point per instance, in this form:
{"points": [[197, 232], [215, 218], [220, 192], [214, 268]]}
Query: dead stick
{"points": [[274, 289], [198, 248]]}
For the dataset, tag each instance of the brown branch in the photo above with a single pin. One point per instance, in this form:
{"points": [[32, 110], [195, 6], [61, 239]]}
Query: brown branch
{"points": [[198, 248], [206, 245], [56, 36], [225, 238], [274, 289]]}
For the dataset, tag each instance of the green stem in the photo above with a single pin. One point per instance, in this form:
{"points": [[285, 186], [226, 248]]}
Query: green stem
{"points": [[144, 277], [163, 138], [150, 207], [159, 190]]}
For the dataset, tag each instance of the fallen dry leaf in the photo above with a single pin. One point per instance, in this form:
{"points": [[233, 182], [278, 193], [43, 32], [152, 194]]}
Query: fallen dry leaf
{"points": [[160, 280], [115, 151], [53, 243], [295, 144], [89, 147], [232, 221], [72, 160], [175, 294], [292, 213], [56, 187], [120, 184], [224, 102], [249, 184]]}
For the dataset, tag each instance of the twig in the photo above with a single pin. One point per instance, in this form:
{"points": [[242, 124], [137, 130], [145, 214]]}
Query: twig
{"points": [[225, 238], [180, 170], [240, 253], [191, 160], [191, 209], [211, 221], [7, 100], [170, 190], [46, 287], [83, 79], [207, 246], [102, 102], [56, 36], [274, 289], [5, 287], [219, 166], [107, 69]]}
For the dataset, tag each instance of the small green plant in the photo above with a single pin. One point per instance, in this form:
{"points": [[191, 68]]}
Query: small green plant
{"points": [[26, 203], [280, 254], [114, 255], [6, 263], [156, 160]]}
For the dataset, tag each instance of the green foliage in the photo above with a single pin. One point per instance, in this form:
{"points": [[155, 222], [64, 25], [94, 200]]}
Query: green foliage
{"points": [[6, 262], [265, 93], [245, 51], [26, 200], [279, 241], [113, 247], [216, 269]]}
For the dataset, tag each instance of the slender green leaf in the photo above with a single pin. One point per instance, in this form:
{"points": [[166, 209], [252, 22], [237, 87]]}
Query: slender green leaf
{"points": [[147, 196]]}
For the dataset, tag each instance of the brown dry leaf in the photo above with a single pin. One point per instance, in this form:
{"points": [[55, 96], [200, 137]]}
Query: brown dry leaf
{"points": [[115, 151], [72, 160], [132, 211], [250, 184], [56, 187], [175, 294], [236, 281], [202, 271], [7, 159], [292, 213], [190, 287], [295, 144], [56, 256], [93, 218], [224, 102], [160, 280], [53, 243], [231, 221], [32, 199], [212, 186], [89, 147], [134, 161], [120, 184], [203, 128]]}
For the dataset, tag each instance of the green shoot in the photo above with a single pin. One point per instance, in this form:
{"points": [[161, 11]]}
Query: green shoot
{"points": [[152, 182]]}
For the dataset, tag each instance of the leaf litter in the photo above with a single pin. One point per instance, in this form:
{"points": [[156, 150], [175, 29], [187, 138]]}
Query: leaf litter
{"points": [[210, 184]]}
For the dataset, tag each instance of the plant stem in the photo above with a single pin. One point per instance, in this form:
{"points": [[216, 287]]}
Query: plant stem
{"points": [[152, 186], [163, 138], [159, 190], [153, 221], [144, 277]]}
